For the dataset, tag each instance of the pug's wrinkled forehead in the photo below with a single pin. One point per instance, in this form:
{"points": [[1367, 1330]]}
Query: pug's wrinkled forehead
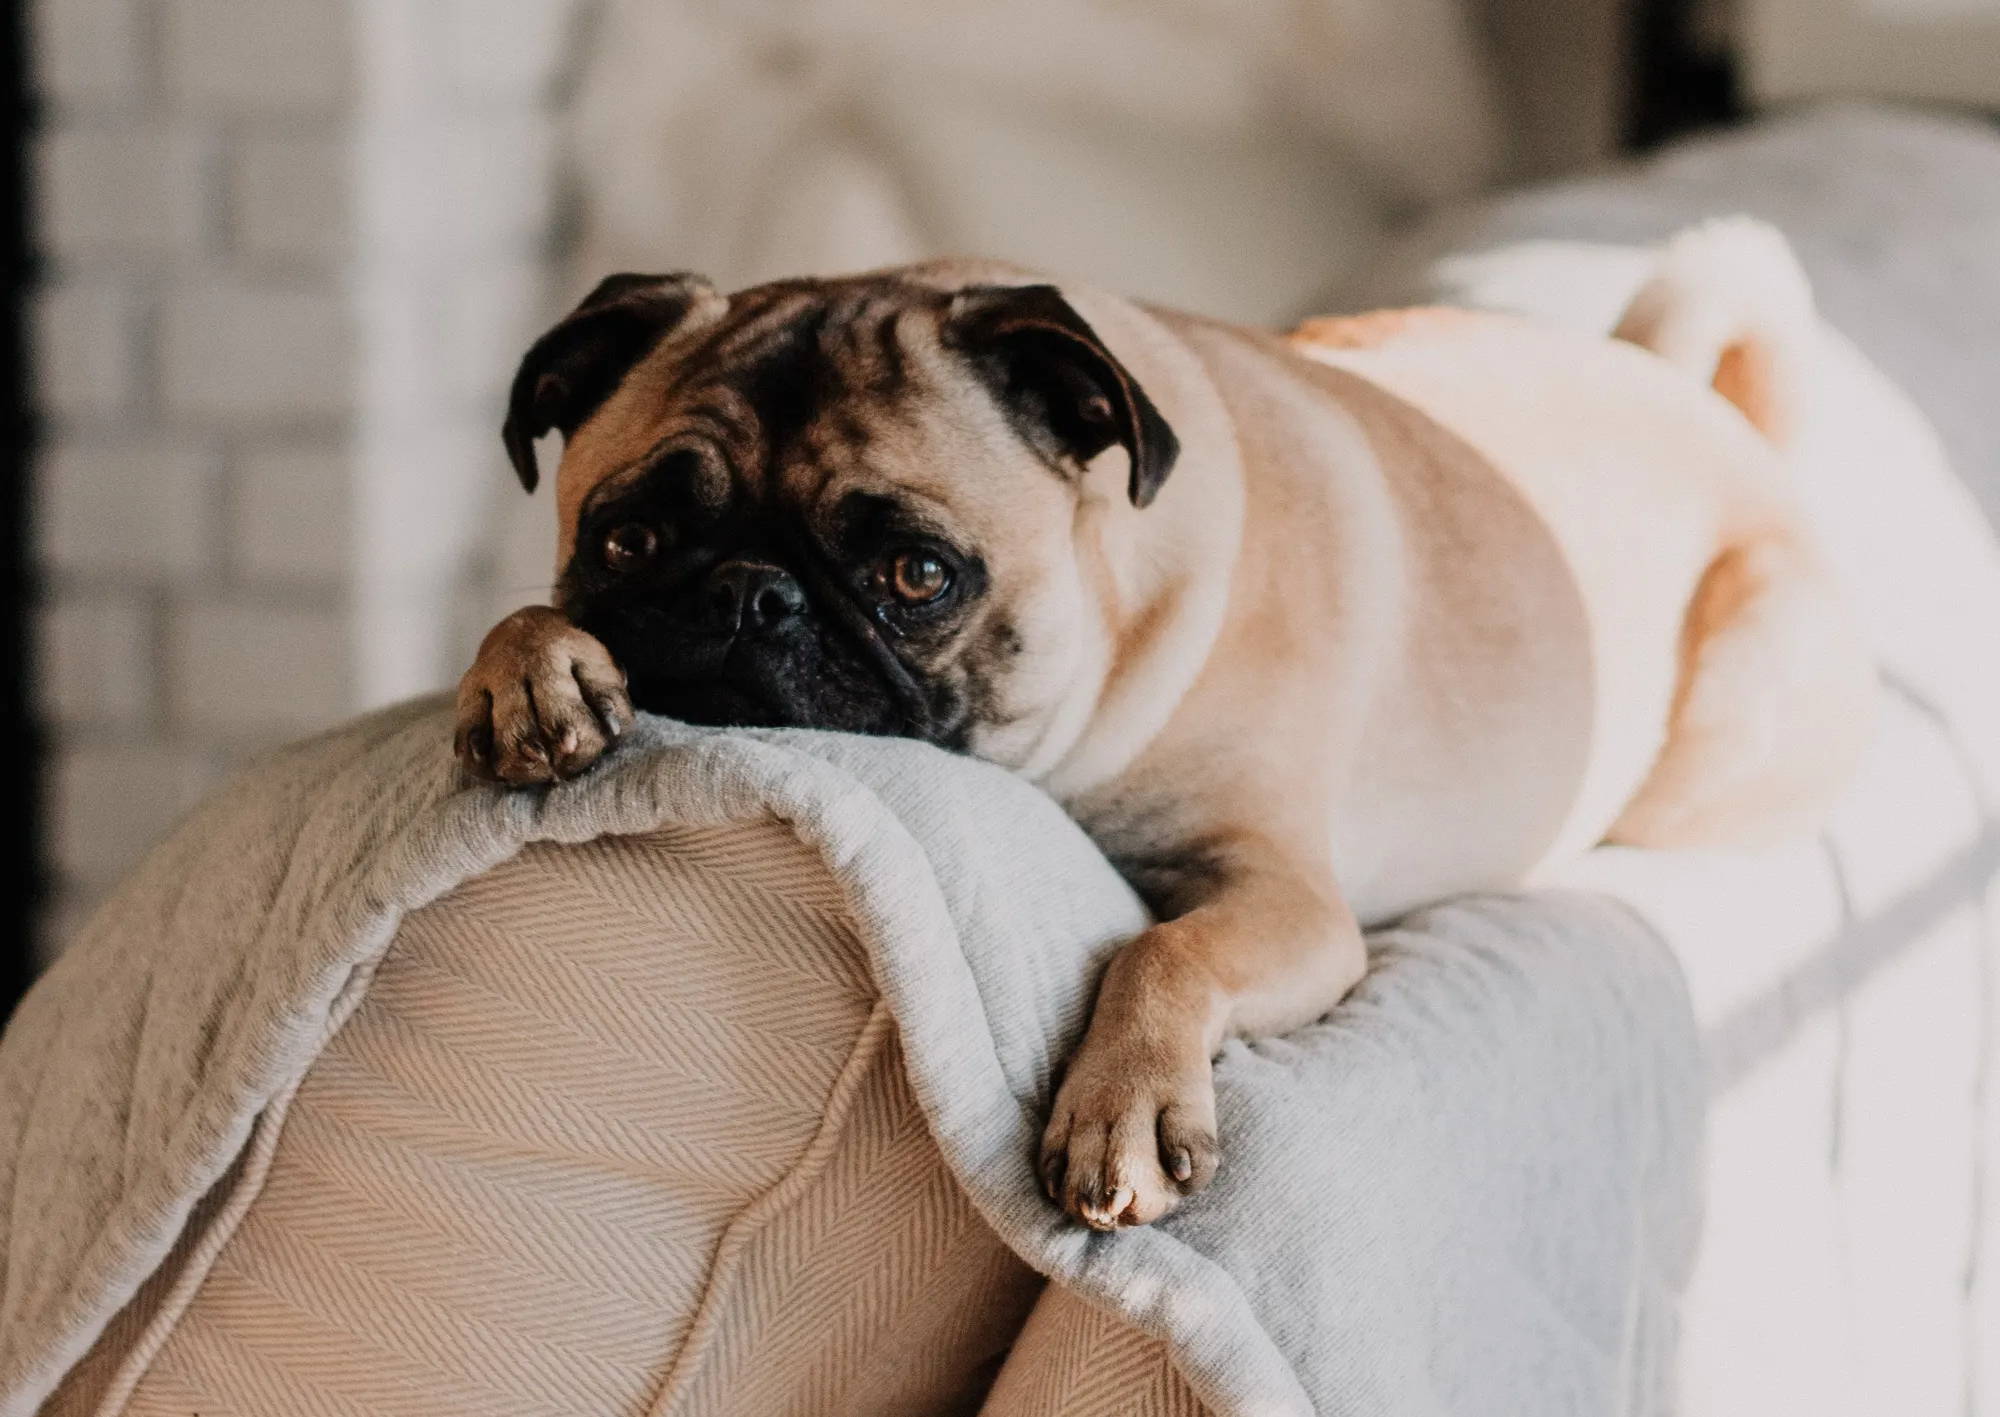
{"points": [[645, 362]]}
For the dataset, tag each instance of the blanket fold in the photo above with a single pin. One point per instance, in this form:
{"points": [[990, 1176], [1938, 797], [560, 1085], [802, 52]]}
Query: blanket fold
{"points": [[1468, 1191]]}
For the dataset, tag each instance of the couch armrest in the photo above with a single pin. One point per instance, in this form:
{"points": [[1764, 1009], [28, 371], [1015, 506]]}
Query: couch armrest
{"points": [[619, 1126]]}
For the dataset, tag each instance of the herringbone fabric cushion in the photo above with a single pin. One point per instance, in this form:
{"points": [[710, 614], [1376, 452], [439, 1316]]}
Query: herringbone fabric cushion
{"points": [[1075, 1360], [618, 1128]]}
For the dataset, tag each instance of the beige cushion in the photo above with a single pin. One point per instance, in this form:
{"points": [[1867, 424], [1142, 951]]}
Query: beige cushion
{"points": [[1074, 1360], [617, 1128]]}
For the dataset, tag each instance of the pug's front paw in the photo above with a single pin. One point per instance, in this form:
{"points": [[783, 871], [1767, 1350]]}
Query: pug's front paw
{"points": [[542, 701], [1132, 1131]]}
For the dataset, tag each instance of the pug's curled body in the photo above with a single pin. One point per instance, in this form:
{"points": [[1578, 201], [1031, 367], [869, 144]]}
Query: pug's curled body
{"points": [[1304, 632]]}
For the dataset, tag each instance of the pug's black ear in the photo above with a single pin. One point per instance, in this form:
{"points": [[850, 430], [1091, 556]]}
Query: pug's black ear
{"points": [[1065, 390], [573, 368]]}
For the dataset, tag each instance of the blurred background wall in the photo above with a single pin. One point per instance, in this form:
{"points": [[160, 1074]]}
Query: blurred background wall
{"points": [[287, 252]]}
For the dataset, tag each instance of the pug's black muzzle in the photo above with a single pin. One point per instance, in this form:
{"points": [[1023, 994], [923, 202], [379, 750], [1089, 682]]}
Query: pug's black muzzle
{"points": [[743, 647]]}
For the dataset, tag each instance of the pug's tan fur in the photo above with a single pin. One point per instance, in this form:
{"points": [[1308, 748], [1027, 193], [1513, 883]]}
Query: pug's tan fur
{"points": [[1431, 598]]}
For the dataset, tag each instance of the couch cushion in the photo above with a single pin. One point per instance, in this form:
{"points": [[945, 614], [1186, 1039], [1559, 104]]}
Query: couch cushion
{"points": [[609, 1120]]}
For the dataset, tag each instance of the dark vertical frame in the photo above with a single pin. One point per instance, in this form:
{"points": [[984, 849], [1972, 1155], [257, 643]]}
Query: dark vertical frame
{"points": [[21, 876], [1676, 87]]}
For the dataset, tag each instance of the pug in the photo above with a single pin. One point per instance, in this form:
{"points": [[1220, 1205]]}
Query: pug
{"points": [[1305, 631]]}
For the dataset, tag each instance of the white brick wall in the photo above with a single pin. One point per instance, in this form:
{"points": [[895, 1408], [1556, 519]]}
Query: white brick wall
{"points": [[291, 519], [245, 670], [125, 190], [87, 343], [133, 509], [293, 57], [256, 353], [90, 53], [96, 664], [292, 247], [117, 798], [507, 51], [290, 200]]}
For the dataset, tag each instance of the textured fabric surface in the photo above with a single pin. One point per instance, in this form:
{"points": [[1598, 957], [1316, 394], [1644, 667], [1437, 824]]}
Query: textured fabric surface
{"points": [[609, 1118], [1074, 1358], [1450, 1087], [1428, 1204], [304, 935], [1847, 988]]}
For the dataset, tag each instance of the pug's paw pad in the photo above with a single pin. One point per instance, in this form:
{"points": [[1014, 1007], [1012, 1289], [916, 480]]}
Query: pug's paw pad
{"points": [[1128, 1138], [542, 702]]}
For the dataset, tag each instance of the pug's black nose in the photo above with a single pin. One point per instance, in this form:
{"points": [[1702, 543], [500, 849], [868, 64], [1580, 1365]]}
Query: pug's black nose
{"points": [[750, 595]]}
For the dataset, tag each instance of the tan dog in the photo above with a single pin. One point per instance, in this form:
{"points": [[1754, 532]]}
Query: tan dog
{"points": [[1305, 634]]}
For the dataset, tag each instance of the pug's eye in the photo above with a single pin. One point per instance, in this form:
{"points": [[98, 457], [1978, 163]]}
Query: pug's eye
{"points": [[628, 547], [913, 577]]}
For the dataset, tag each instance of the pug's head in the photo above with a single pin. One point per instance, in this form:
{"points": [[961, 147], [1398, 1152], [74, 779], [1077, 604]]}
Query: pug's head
{"points": [[848, 504]]}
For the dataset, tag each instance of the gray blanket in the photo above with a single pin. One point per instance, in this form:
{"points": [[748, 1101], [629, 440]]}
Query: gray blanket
{"points": [[1469, 1191]]}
